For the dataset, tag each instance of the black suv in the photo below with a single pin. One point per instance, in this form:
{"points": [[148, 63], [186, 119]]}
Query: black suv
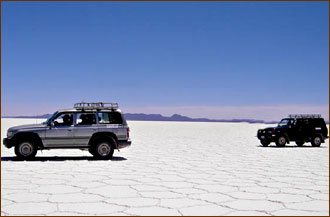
{"points": [[298, 128]]}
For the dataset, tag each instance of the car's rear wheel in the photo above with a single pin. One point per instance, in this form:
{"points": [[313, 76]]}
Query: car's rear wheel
{"points": [[103, 149], [264, 143], [316, 141], [26, 150], [281, 141], [300, 144]]}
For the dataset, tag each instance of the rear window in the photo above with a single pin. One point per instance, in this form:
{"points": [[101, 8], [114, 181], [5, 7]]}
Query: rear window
{"points": [[317, 122], [110, 118]]}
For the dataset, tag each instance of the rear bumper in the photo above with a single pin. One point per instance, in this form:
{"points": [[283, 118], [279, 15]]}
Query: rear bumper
{"points": [[8, 143], [124, 144]]}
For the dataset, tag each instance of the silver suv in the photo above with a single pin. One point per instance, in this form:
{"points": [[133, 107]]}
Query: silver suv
{"points": [[97, 127]]}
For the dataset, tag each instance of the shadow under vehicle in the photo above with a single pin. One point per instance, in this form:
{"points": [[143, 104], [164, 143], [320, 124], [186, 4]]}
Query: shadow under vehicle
{"points": [[62, 158], [300, 128]]}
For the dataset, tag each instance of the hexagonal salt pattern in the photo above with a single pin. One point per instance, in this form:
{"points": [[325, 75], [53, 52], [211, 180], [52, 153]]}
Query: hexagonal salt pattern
{"points": [[172, 168]]}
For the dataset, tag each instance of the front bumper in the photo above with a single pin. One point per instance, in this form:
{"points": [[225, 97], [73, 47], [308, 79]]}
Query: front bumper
{"points": [[8, 143], [124, 144], [266, 136]]}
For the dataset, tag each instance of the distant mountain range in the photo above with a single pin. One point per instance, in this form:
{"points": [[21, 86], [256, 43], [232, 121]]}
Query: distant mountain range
{"points": [[45, 116], [176, 117], [159, 117]]}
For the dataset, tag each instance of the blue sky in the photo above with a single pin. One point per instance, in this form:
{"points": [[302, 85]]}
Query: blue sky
{"points": [[164, 55]]}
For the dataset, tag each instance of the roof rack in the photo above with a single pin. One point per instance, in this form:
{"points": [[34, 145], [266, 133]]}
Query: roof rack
{"points": [[95, 105], [304, 116]]}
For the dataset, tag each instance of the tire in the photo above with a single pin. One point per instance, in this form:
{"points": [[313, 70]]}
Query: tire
{"points": [[300, 144], [103, 149], [26, 150], [280, 141], [316, 141], [264, 143]]}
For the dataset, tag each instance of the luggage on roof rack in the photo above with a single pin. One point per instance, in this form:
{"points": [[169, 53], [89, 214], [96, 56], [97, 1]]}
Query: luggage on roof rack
{"points": [[304, 116], [95, 105]]}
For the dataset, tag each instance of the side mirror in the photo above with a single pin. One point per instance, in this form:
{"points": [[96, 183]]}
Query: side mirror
{"points": [[51, 124]]}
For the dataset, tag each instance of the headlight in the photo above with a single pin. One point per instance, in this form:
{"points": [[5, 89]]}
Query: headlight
{"points": [[9, 133]]}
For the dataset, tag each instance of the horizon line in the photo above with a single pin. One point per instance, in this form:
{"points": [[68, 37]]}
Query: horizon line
{"points": [[202, 119]]}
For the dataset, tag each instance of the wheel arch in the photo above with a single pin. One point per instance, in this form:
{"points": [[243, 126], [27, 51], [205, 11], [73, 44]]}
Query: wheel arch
{"points": [[285, 135], [28, 135], [320, 135], [103, 135]]}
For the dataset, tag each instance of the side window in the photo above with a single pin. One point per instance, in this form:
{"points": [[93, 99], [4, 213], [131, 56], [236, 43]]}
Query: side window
{"points": [[306, 124], [86, 118], [318, 123], [301, 123], [110, 118], [64, 119]]}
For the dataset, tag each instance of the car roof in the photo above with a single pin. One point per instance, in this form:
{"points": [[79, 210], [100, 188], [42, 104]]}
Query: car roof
{"points": [[89, 110]]}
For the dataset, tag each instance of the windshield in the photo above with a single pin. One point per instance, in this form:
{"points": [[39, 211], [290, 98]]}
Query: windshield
{"points": [[284, 122], [50, 118]]}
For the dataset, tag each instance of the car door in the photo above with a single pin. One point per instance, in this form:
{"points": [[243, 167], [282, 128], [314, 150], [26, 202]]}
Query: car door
{"points": [[60, 131], [292, 130], [302, 129], [85, 126]]}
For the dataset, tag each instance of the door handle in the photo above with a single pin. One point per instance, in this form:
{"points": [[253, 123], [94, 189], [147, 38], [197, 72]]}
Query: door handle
{"points": [[69, 129]]}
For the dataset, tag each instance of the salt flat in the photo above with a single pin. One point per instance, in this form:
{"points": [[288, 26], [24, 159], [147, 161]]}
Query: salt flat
{"points": [[172, 168]]}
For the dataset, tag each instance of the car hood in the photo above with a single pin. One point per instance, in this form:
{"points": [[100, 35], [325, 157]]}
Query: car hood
{"points": [[269, 128], [27, 126], [274, 128]]}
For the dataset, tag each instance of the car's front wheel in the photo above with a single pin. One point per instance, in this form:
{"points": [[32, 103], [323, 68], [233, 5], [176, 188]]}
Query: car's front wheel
{"points": [[103, 149], [26, 150], [264, 143], [316, 141], [281, 141]]}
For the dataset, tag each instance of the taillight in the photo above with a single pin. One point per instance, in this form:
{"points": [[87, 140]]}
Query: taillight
{"points": [[273, 131], [127, 132]]}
